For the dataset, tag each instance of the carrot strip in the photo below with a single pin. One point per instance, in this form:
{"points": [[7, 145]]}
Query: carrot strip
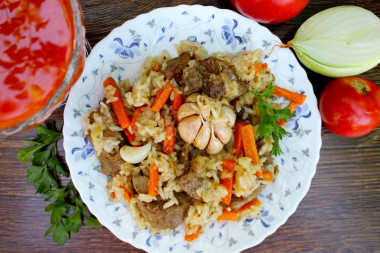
{"points": [[192, 237], [265, 65], [267, 176], [255, 202], [153, 180], [131, 138], [295, 97], [135, 116], [177, 102], [169, 140], [126, 194], [117, 106], [292, 107], [157, 96], [249, 143], [156, 68], [259, 173], [228, 215], [238, 141], [113, 195], [228, 166], [161, 99]]}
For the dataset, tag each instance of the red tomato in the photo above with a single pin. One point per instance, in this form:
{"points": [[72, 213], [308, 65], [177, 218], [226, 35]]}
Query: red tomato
{"points": [[350, 106], [270, 11]]}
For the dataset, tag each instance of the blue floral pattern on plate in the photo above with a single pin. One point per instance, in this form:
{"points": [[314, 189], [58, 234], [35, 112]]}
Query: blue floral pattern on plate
{"points": [[121, 55]]}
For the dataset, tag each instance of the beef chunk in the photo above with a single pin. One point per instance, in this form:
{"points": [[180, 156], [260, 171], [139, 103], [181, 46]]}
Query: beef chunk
{"points": [[216, 88], [187, 154], [237, 202], [140, 183], [176, 66], [214, 65], [192, 81], [110, 164], [190, 183], [160, 218]]}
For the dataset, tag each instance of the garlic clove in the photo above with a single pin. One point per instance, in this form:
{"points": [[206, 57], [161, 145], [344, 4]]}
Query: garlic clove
{"points": [[214, 146], [203, 137], [193, 98], [185, 110], [188, 128], [230, 114], [135, 154], [223, 133]]}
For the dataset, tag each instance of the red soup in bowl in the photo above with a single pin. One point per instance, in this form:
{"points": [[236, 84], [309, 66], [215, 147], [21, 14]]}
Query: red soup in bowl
{"points": [[42, 55]]}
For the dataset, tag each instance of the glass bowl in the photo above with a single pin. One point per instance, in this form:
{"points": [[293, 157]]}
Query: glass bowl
{"points": [[73, 70]]}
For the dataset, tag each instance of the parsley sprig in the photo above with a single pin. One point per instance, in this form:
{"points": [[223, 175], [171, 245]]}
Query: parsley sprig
{"points": [[268, 126], [67, 209]]}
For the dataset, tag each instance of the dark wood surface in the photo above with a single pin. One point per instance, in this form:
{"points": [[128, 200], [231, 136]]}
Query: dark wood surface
{"points": [[340, 213]]}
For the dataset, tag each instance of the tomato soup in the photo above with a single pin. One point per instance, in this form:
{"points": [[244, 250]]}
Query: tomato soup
{"points": [[36, 45]]}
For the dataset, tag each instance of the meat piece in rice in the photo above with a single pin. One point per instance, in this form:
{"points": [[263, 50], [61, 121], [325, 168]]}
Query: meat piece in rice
{"points": [[214, 65], [110, 163], [176, 66], [190, 183], [160, 218], [192, 81], [140, 184], [237, 202], [187, 154], [216, 88]]}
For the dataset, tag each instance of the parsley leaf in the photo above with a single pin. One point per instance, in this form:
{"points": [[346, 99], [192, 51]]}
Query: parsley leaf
{"points": [[67, 209], [268, 126]]}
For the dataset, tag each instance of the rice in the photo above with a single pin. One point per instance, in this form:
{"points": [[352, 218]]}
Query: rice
{"points": [[150, 126]]}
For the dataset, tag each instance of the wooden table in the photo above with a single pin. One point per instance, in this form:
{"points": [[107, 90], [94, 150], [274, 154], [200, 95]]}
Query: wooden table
{"points": [[341, 212]]}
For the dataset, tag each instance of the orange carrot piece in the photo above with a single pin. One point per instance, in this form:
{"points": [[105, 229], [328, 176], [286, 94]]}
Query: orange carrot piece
{"points": [[293, 96], [265, 65], [238, 141], [113, 195], [135, 116], [192, 237], [153, 180], [156, 67], [267, 176], [257, 67], [259, 173], [249, 143], [126, 194], [228, 215], [161, 99], [255, 202], [177, 102], [292, 107], [157, 95], [169, 140], [131, 138], [229, 166], [117, 106]]}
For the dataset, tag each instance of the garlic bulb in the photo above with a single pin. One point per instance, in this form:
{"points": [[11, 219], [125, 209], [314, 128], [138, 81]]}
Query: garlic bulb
{"points": [[202, 128], [340, 41]]}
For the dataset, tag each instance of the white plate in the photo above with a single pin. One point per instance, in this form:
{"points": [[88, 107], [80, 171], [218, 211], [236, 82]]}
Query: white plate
{"points": [[122, 53]]}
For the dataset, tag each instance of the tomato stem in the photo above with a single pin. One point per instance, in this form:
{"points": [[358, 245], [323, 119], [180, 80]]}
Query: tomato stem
{"points": [[361, 87]]}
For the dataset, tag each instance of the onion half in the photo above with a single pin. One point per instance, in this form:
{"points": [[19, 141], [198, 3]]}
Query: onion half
{"points": [[340, 41]]}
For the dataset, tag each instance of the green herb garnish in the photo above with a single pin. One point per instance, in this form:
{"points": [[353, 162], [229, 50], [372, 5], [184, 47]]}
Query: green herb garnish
{"points": [[67, 209], [268, 126]]}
